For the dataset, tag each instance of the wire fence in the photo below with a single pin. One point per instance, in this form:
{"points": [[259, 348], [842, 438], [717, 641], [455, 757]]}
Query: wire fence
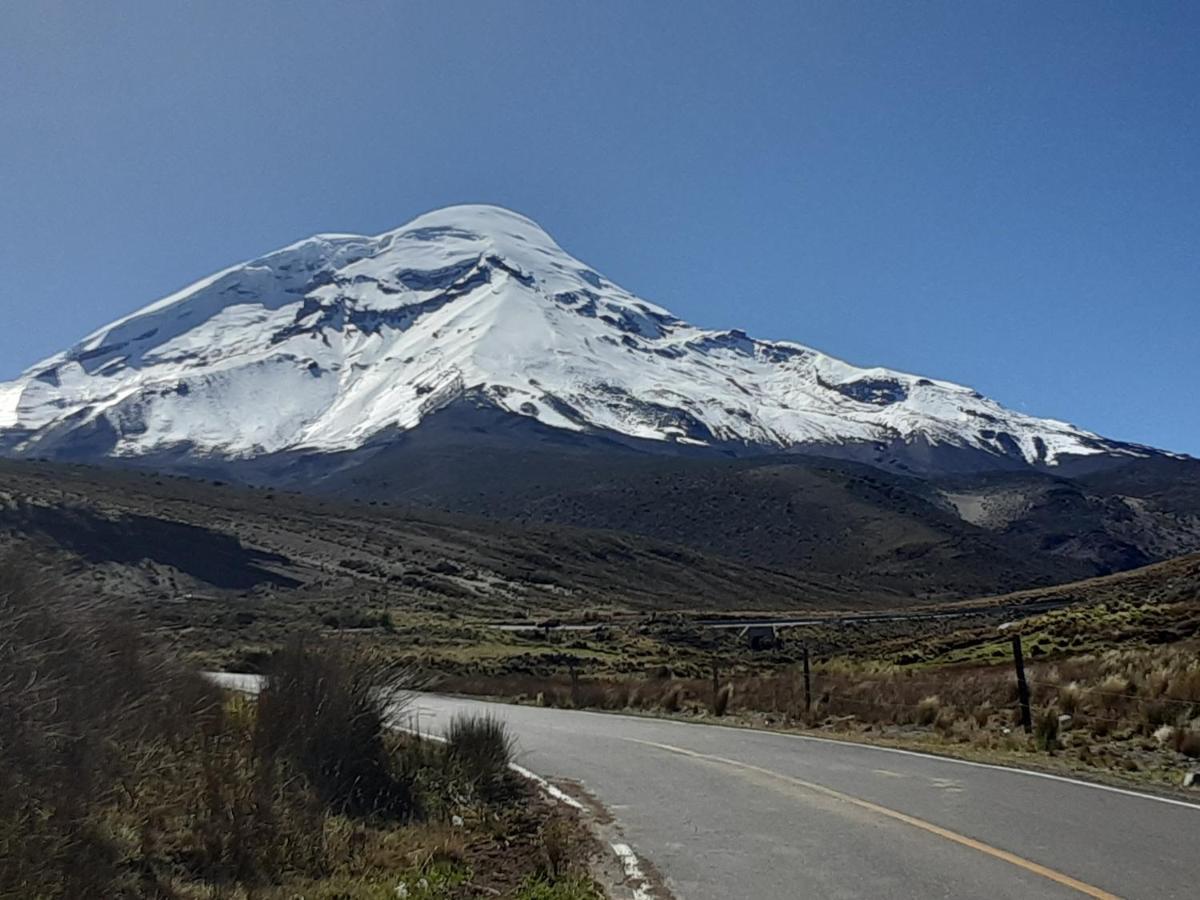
{"points": [[1136, 698], [785, 693], [1137, 701]]}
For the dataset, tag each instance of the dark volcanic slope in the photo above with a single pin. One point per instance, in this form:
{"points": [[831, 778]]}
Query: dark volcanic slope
{"points": [[493, 523], [163, 540], [930, 538]]}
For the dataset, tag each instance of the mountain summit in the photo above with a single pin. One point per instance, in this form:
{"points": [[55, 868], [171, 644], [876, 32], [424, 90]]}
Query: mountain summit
{"points": [[340, 340]]}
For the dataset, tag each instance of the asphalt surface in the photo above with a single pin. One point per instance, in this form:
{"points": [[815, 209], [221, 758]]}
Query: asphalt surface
{"points": [[731, 814]]}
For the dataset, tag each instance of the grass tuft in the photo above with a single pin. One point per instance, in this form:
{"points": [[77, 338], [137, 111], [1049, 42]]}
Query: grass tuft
{"points": [[1187, 742], [480, 750], [1045, 730], [722, 700], [325, 712], [928, 709]]}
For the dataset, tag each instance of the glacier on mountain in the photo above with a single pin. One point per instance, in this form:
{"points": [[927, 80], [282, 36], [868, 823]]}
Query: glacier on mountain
{"points": [[329, 342]]}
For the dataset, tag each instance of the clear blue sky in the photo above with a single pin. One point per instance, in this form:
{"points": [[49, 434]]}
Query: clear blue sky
{"points": [[1001, 194]]}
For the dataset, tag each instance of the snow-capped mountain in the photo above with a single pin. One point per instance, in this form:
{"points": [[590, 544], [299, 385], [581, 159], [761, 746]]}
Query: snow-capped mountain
{"points": [[331, 342]]}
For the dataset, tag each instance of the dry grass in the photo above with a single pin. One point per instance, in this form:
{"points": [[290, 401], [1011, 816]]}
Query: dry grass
{"points": [[1187, 742], [325, 712], [478, 751], [1045, 729], [83, 710], [721, 701], [1114, 702], [123, 775], [928, 710]]}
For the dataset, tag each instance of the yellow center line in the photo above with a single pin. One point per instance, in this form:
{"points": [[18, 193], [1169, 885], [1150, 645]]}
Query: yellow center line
{"points": [[1012, 858]]}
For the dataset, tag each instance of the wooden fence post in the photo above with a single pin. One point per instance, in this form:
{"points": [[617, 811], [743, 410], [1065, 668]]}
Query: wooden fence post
{"points": [[1022, 684]]}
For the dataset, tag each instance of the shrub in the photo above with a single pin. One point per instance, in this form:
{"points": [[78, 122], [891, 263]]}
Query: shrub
{"points": [[1187, 742], [1070, 698], [1156, 713], [983, 713], [1112, 691], [672, 700], [1185, 685], [325, 713], [927, 710], [480, 750], [1045, 730], [721, 701], [559, 847], [946, 719], [76, 697], [120, 770]]}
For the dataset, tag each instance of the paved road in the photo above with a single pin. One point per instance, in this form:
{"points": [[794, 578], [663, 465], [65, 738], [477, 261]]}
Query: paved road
{"points": [[728, 814]]}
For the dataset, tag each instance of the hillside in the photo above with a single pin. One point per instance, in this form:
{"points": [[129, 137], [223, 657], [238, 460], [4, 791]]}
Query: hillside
{"points": [[1153, 606], [158, 539], [187, 534], [1170, 590], [930, 537], [226, 571]]}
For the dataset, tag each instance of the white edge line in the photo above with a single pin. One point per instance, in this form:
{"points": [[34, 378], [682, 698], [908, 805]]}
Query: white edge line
{"points": [[554, 792], [546, 786], [629, 861], [1012, 770], [633, 871]]}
